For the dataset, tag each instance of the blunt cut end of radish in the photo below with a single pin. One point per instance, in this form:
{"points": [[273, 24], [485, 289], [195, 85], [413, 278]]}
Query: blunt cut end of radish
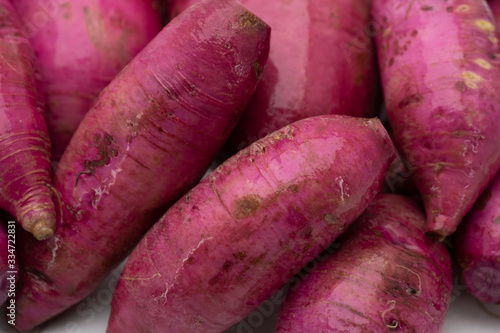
{"points": [[43, 228], [483, 280]]}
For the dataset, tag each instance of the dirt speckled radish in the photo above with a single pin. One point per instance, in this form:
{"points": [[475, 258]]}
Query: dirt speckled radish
{"points": [[322, 61], [24, 141], [440, 70], [386, 276], [241, 233], [149, 137], [477, 246], [81, 45]]}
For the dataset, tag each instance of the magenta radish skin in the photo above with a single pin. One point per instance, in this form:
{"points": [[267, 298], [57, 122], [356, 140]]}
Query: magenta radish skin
{"points": [[24, 140], [149, 138], [442, 99], [495, 8], [322, 61], [385, 276], [242, 232], [81, 45], [477, 246]]}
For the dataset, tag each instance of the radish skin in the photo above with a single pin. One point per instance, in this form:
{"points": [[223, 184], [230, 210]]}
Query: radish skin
{"points": [[81, 45], [440, 71], [322, 61], [495, 8], [385, 276], [477, 246], [24, 140], [149, 137], [242, 232]]}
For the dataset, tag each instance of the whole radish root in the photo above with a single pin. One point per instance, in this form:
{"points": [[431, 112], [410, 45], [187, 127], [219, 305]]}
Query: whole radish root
{"points": [[440, 68], [386, 276], [81, 45], [24, 141], [322, 61], [477, 246], [149, 137], [241, 233]]}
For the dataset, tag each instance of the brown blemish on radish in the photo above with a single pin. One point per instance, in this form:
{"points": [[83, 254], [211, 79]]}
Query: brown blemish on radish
{"points": [[460, 86], [257, 260], [438, 167], [249, 20], [306, 233], [330, 219], [67, 10], [409, 278], [240, 255], [246, 206], [287, 132], [410, 101], [227, 265], [106, 151], [410, 291], [362, 61], [463, 8], [258, 69], [426, 8], [396, 47]]}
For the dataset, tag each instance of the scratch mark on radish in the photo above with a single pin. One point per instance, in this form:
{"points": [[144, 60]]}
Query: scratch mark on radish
{"points": [[105, 188], [431, 318], [190, 254], [343, 192], [177, 273], [408, 9], [394, 324], [419, 291], [140, 279], [57, 241], [164, 295]]}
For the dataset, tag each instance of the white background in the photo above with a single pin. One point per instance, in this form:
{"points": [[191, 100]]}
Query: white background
{"points": [[466, 315]]}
